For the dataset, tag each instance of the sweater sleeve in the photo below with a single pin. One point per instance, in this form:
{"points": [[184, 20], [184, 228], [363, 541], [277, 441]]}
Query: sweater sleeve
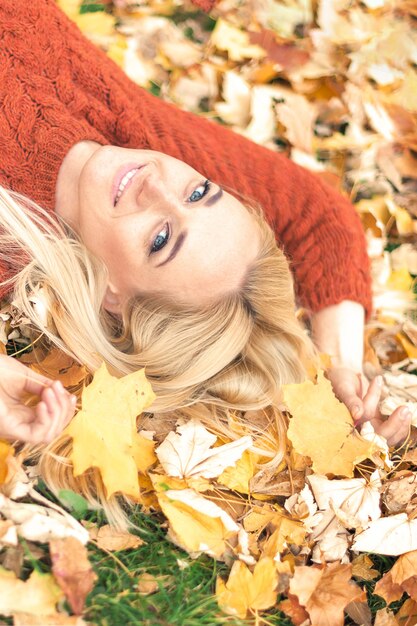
{"points": [[38, 120], [89, 97]]}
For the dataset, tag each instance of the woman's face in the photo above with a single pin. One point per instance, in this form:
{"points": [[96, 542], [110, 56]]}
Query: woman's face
{"points": [[160, 226]]}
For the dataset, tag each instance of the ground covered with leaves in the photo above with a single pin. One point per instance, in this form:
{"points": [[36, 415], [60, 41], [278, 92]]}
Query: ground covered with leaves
{"points": [[330, 537]]}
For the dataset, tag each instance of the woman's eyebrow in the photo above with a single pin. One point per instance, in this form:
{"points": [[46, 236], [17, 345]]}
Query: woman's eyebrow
{"points": [[175, 249], [213, 199]]}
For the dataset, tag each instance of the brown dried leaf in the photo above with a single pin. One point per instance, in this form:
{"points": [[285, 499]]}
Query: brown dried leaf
{"points": [[387, 589], [359, 611], [60, 366], [147, 584], [362, 568], [109, 538], [385, 617], [407, 615], [286, 54], [404, 573], [325, 592], [400, 492], [293, 609], [72, 571], [12, 559]]}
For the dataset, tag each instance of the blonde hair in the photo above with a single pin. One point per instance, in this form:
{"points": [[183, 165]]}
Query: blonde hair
{"points": [[215, 362]]}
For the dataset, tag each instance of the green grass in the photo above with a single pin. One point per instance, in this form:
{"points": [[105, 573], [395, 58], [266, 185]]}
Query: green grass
{"points": [[185, 596]]}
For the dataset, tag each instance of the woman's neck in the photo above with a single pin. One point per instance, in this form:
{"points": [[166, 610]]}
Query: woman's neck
{"points": [[66, 194]]}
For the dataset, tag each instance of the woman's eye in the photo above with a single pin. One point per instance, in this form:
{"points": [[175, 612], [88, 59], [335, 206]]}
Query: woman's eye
{"points": [[160, 240], [200, 192]]}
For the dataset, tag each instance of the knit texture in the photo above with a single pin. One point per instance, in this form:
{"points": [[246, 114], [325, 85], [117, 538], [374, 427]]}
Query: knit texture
{"points": [[205, 5], [56, 88]]}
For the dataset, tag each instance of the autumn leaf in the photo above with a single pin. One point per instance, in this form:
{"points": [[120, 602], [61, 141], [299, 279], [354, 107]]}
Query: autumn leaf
{"points": [[293, 609], [147, 584], [286, 532], [324, 592], [402, 577], [385, 617], [40, 523], [362, 568], [189, 452], [237, 478], [355, 501], [330, 539], [196, 524], [246, 592], [38, 595], [110, 538], [104, 431], [393, 535], [235, 42], [72, 570], [58, 365], [322, 428]]}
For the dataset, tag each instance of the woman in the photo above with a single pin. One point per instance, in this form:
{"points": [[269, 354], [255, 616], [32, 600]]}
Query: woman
{"points": [[64, 107]]}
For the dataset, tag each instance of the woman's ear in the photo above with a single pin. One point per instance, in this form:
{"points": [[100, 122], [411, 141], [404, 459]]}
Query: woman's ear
{"points": [[112, 300]]}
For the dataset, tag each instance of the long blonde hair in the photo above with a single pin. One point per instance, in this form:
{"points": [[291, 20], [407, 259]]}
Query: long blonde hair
{"points": [[213, 362]]}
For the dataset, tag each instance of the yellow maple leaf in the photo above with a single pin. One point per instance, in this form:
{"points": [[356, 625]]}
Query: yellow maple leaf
{"points": [[246, 591], [400, 280], [237, 478], [37, 596], [235, 42], [287, 531], [143, 452], [104, 431], [196, 524], [322, 428]]}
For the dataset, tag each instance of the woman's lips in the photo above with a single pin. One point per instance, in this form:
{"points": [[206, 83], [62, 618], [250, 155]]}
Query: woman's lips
{"points": [[123, 180]]}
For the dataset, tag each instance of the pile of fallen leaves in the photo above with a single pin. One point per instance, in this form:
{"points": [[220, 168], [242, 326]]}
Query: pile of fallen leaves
{"points": [[296, 538]]}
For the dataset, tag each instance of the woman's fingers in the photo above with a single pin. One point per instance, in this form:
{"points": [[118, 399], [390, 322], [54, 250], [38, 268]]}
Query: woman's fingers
{"points": [[397, 427], [51, 415], [348, 388], [35, 383], [371, 401]]}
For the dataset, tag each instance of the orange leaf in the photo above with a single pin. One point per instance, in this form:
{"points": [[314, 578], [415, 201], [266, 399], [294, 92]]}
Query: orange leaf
{"points": [[325, 592], [72, 570]]}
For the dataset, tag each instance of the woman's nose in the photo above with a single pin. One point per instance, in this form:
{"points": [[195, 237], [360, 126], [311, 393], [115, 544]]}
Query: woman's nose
{"points": [[154, 192]]}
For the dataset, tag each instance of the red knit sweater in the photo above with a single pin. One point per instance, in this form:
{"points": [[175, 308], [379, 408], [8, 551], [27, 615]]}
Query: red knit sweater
{"points": [[56, 88]]}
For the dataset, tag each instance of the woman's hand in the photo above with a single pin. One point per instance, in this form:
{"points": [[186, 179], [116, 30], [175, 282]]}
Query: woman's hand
{"points": [[41, 423], [362, 400]]}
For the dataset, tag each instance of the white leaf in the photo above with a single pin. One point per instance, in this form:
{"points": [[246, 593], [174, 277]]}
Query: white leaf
{"points": [[302, 506], [392, 536], [236, 94], [194, 500], [188, 453], [331, 539], [39, 523], [355, 501], [379, 442]]}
